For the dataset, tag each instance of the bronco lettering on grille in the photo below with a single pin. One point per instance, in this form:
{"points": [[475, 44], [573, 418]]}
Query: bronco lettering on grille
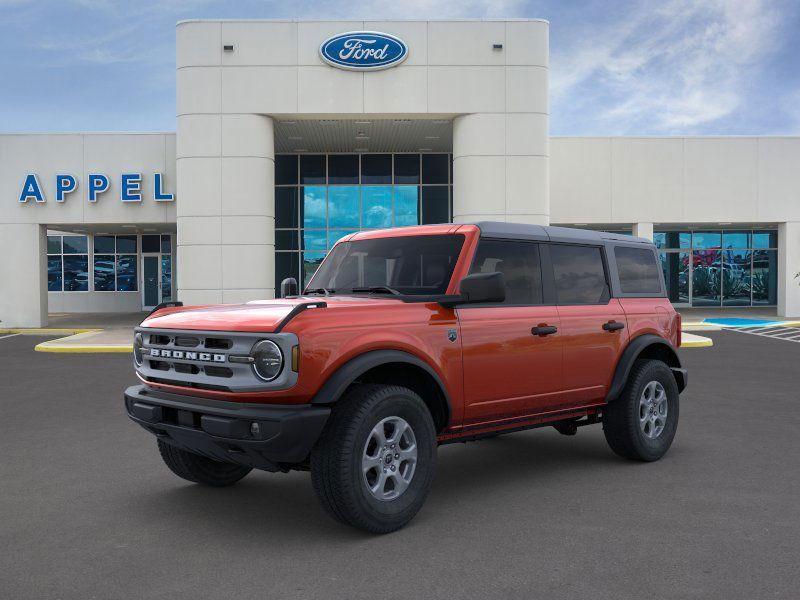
{"points": [[182, 354]]}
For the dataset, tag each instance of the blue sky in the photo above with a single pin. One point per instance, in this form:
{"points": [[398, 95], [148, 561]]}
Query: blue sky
{"points": [[617, 68]]}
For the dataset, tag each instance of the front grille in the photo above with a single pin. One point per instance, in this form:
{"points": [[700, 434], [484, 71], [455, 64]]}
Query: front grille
{"points": [[201, 360]]}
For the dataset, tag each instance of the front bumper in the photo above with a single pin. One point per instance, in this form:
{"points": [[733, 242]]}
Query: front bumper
{"points": [[225, 431]]}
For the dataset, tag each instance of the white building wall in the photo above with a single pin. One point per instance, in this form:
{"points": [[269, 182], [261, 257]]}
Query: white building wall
{"points": [[23, 264], [275, 71], [711, 181]]}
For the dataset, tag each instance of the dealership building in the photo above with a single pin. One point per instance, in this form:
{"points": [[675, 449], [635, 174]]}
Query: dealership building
{"points": [[293, 134]]}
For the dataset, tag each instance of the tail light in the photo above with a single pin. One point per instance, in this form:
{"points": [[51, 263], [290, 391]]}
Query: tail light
{"points": [[679, 322]]}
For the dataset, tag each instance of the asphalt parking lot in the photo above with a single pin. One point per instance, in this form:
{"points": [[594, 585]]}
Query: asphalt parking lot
{"points": [[87, 509]]}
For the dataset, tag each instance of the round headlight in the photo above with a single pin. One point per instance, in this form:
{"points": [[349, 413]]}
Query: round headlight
{"points": [[138, 342], [268, 360]]}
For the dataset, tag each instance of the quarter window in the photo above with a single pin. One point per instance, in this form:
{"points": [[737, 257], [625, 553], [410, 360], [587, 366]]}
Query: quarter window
{"points": [[638, 271], [579, 274], [519, 264]]}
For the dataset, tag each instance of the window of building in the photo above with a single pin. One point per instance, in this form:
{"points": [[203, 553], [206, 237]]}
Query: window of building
{"points": [[67, 263], [580, 277], [720, 267], [519, 264], [115, 263], [321, 198], [638, 271]]}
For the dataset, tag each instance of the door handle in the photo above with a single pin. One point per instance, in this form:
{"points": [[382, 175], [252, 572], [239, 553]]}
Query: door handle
{"points": [[613, 326], [543, 330]]}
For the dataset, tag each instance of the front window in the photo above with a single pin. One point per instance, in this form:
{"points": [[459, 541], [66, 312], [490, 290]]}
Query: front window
{"points": [[419, 265]]}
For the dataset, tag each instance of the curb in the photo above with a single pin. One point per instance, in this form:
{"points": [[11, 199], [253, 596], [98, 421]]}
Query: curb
{"points": [[46, 331], [695, 341], [98, 349]]}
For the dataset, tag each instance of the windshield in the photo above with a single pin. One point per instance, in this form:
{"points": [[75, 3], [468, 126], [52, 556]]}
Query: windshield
{"points": [[417, 265]]}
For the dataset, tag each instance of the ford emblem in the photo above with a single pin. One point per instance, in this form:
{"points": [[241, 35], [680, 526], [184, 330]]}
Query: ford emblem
{"points": [[363, 50]]}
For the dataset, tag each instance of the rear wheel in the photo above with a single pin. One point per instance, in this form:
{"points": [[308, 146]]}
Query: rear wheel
{"points": [[199, 469], [374, 463], [641, 423]]}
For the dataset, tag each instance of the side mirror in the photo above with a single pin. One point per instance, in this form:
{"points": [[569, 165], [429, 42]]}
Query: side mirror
{"points": [[289, 287], [477, 289]]}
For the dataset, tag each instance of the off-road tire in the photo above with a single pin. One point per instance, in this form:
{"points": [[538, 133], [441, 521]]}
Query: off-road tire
{"points": [[336, 467], [199, 469], [621, 424]]}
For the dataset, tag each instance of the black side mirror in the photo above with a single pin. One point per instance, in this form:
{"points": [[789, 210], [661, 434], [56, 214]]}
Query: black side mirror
{"points": [[477, 289], [289, 287]]}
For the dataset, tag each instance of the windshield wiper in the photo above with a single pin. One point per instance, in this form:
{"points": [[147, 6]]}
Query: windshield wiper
{"points": [[323, 291], [376, 289]]}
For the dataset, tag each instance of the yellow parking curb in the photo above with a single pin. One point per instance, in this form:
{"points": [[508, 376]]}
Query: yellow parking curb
{"points": [[47, 331], [47, 347], [689, 340]]}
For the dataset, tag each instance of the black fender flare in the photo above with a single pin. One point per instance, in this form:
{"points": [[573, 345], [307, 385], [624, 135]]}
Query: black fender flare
{"points": [[337, 383], [634, 349]]}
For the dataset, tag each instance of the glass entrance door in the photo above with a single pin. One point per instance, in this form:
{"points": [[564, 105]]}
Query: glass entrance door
{"points": [[151, 288]]}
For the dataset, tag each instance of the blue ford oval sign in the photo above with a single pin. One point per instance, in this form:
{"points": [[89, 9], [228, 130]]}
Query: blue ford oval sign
{"points": [[363, 50]]}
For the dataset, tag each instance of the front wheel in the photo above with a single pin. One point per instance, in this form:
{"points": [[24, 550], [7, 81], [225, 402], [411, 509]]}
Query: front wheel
{"points": [[641, 423], [374, 463], [199, 469]]}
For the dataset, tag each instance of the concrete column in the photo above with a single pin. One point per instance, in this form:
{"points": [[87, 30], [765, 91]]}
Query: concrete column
{"points": [[501, 168], [788, 266], [23, 302], [644, 230], [226, 222]]}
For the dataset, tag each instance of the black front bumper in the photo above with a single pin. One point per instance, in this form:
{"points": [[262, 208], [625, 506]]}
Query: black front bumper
{"points": [[262, 436]]}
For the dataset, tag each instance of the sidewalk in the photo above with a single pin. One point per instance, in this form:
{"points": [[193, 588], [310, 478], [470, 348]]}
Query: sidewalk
{"points": [[87, 332]]}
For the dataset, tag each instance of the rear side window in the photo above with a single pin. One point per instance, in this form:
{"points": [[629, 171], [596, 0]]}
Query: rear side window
{"points": [[638, 271], [579, 274], [519, 264]]}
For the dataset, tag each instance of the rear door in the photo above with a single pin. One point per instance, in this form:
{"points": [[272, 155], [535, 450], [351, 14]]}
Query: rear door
{"points": [[510, 370], [593, 325]]}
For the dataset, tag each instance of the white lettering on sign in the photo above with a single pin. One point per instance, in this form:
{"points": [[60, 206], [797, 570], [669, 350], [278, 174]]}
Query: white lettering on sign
{"points": [[353, 48]]}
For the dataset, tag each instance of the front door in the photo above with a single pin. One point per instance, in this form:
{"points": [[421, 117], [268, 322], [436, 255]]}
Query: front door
{"points": [[512, 352], [151, 288]]}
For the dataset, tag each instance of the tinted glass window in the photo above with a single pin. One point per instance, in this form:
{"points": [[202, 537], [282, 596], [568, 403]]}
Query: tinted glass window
{"points": [[54, 244], [312, 168], [103, 272], [54, 280], [285, 169], [150, 243], [76, 273], [75, 244], [435, 205], [376, 168], [126, 274], [434, 168], [416, 265], [638, 271], [166, 244], [343, 206], [343, 168], [286, 207], [313, 206], [765, 239], [519, 264], [579, 274], [406, 205], [406, 168], [376, 206], [127, 244], [104, 244]]}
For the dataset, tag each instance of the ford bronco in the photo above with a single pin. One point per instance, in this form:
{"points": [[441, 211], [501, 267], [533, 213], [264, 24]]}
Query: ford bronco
{"points": [[408, 338]]}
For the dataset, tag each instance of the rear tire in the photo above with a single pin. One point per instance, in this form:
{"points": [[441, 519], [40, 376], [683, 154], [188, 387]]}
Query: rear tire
{"points": [[374, 463], [641, 423], [199, 469]]}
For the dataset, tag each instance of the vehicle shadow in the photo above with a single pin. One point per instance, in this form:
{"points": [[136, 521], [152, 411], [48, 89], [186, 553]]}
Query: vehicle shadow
{"points": [[284, 505]]}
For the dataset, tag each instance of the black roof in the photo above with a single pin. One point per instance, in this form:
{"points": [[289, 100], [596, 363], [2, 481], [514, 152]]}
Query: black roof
{"points": [[522, 231]]}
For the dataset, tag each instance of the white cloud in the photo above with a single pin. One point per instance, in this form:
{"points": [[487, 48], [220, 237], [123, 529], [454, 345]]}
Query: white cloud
{"points": [[680, 66]]}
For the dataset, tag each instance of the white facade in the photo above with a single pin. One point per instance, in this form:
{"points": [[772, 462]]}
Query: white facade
{"points": [[475, 90]]}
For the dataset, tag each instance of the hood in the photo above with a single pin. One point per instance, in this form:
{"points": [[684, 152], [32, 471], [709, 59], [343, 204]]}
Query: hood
{"points": [[262, 316]]}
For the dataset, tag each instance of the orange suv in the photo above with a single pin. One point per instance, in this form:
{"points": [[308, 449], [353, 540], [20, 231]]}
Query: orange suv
{"points": [[408, 338]]}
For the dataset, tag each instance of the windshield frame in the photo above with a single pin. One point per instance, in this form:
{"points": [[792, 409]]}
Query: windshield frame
{"points": [[315, 285]]}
